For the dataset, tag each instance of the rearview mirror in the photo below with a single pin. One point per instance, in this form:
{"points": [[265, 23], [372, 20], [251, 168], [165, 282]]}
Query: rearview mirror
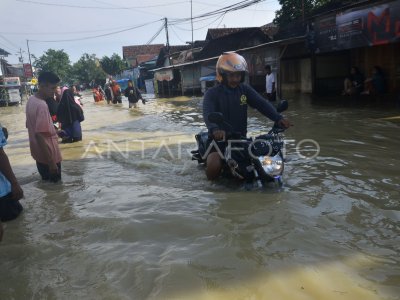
{"points": [[282, 106], [216, 117]]}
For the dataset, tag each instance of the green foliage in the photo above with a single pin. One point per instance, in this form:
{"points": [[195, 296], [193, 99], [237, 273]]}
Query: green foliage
{"points": [[56, 61], [86, 69], [292, 10], [112, 65]]}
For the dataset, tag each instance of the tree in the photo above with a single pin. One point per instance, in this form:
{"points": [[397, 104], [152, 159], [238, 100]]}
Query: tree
{"points": [[86, 69], [56, 61], [292, 10], [112, 65]]}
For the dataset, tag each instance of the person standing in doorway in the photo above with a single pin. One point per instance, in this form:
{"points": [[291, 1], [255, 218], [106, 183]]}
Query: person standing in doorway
{"points": [[270, 84], [43, 139]]}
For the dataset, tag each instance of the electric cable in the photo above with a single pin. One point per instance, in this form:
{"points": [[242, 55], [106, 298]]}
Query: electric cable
{"points": [[96, 36], [202, 27], [95, 7], [155, 35], [173, 30], [9, 42], [226, 9]]}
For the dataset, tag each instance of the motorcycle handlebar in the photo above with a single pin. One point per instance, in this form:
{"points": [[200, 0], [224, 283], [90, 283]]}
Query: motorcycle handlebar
{"points": [[277, 128]]}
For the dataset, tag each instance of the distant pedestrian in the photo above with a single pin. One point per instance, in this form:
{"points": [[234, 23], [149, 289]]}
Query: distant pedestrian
{"points": [[354, 83], [70, 115], [98, 93], [116, 92], [133, 95], [270, 84], [108, 92], [43, 139], [375, 85]]}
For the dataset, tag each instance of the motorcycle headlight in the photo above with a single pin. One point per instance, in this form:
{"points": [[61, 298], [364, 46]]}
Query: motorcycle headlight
{"points": [[272, 166]]}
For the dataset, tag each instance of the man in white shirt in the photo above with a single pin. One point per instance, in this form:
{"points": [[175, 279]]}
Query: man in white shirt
{"points": [[270, 84]]}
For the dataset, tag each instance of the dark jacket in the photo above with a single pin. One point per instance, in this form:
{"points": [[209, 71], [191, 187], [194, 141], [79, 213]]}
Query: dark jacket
{"points": [[232, 103], [133, 94], [53, 107], [68, 111]]}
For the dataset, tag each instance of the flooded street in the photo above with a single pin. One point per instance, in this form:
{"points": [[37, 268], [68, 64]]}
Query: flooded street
{"points": [[135, 218]]}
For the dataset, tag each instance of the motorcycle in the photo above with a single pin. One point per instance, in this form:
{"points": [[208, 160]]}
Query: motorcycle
{"points": [[257, 159]]}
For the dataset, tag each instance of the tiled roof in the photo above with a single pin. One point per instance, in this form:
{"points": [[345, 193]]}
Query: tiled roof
{"points": [[144, 57], [178, 48], [248, 37], [215, 33], [172, 49], [134, 51], [270, 29]]}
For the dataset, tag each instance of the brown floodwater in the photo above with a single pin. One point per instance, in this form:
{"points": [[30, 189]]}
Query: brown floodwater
{"points": [[135, 218]]}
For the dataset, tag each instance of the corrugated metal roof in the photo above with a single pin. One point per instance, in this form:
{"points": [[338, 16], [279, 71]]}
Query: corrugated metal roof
{"points": [[216, 33], [270, 44], [134, 51]]}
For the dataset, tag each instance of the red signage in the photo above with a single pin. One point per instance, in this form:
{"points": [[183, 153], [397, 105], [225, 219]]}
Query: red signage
{"points": [[28, 71], [374, 25]]}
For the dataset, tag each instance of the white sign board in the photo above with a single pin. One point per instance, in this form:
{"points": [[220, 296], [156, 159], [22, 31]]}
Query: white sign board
{"points": [[14, 95]]}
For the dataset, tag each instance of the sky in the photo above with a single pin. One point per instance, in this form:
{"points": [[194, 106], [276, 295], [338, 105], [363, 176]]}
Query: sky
{"points": [[48, 23]]}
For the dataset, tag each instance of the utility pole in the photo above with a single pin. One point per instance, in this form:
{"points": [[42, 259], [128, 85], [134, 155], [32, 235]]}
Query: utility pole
{"points": [[21, 58], [29, 55], [302, 9], [166, 33], [191, 22]]}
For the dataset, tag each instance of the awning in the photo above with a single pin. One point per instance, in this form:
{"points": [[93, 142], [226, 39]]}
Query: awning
{"points": [[162, 75]]}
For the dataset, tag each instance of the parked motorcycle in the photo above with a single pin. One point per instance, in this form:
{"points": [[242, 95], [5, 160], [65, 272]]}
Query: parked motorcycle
{"points": [[257, 159]]}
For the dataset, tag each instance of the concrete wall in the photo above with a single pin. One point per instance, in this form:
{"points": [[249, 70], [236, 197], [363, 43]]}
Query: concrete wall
{"points": [[296, 75], [190, 77], [256, 61], [305, 75]]}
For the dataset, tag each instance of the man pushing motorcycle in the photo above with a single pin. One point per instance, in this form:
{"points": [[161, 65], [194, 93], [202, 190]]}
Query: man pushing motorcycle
{"points": [[231, 98]]}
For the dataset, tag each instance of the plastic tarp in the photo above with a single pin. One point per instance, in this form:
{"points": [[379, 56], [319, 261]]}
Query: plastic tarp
{"points": [[210, 77], [164, 75]]}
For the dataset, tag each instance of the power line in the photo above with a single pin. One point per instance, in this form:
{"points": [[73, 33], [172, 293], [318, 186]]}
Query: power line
{"points": [[155, 35], [64, 32], [220, 13], [223, 16], [212, 4], [173, 30], [96, 36], [226, 9], [195, 21], [6, 47], [9, 42], [96, 7], [202, 27], [123, 7]]}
